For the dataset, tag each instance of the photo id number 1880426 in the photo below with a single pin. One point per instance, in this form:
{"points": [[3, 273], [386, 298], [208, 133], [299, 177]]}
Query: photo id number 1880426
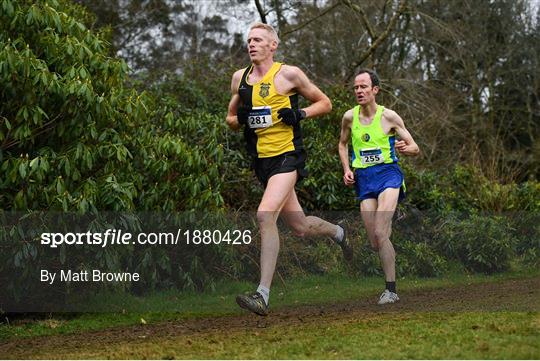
{"points": [[206, 236]]}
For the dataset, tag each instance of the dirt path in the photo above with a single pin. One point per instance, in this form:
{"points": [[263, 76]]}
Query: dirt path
{"points": [[510, 295]]}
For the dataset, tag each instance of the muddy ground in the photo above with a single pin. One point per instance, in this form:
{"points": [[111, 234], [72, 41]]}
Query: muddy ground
{"points": [[510, 295]]}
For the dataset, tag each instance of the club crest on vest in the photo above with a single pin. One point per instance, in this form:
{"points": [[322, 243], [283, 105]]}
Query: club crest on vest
{"points": [[365, 137], [265, 90]]}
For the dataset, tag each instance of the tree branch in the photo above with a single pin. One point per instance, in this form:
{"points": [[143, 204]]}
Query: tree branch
{"points": [[365, 19], [304, 24], [40, 130], [382, 37]]}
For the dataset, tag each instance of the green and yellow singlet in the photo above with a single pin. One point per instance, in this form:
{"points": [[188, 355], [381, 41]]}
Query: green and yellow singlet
{"points": [[266, 135], [371, 146]]}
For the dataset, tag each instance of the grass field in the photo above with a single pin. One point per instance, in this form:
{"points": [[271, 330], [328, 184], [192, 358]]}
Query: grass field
{"points": [[469, 335], [330, 317]]}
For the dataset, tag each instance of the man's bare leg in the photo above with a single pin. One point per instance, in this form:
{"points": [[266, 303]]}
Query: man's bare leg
{"points": [[275, 195], [302, 225], [377, 216], [386, 206], [311, 226], [277, 192], [368, 211]]}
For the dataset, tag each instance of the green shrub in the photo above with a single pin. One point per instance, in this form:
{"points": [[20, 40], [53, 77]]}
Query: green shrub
{"points": [[366, 261], [463, 188], [480, 243], [324, 188], [418, 259], [526, 236], [75, 140]]}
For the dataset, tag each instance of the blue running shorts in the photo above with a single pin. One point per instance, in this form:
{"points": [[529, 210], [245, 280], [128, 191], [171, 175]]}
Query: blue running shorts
{"points": [[372, 181]]}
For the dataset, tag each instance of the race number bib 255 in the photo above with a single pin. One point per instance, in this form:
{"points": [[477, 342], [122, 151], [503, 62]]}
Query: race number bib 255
{"points": [[260, 117], [371, 156]]}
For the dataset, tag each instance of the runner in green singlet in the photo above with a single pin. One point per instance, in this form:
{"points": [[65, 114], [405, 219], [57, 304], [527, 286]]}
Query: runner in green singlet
{"points": [[377, 178]]}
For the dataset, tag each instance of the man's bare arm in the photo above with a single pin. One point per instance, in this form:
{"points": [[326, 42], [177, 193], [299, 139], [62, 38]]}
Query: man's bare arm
{"points": [[320, 103], [343, 147], [231, 119], [406, 145]]}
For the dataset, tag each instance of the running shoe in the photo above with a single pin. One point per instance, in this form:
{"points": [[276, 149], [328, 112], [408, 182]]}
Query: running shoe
{"points": [[345, 245], [388, 297], [254, 303]]}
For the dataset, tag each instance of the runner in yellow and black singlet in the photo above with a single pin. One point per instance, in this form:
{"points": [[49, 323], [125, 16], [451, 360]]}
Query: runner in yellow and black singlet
{"points": [[265, 102], [276, 147], [266, 135]]}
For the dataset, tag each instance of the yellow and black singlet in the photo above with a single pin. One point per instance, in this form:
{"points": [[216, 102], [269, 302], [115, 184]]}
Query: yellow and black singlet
{"points": [[267, 136]]}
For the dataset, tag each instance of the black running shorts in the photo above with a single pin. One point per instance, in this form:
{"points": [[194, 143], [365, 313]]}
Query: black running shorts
{"points": [[283, 163]]}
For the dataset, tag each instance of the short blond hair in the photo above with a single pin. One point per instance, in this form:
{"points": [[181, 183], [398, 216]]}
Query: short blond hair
{"points": [[268, 28]]}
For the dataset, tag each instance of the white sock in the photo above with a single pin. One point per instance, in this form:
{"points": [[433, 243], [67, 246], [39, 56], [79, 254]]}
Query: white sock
{"points": [[339, 234], [265, 292]]}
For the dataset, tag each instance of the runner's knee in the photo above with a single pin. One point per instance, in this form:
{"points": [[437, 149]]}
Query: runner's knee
{"points": [[266, 217], [299, 229], [373, 244], [380, 236]]}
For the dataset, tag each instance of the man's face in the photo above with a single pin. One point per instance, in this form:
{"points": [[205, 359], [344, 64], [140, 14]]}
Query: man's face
{"points": [[364, 91], [261, 45]]}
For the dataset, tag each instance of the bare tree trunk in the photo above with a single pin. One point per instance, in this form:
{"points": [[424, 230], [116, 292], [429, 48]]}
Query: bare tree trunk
{"points": [[262, 14], [281, 21]]}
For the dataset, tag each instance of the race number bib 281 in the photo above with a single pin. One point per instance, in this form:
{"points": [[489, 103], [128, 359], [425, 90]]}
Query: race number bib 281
{"points": [[371, 156], [260, 117]]}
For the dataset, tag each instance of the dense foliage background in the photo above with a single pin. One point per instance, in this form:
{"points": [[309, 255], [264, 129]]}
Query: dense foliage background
{"points": [[82, 132]]}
